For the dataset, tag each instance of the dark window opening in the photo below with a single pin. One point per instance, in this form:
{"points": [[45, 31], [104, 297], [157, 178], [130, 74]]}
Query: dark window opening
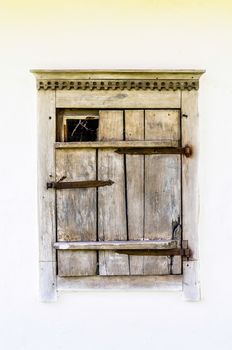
{"points": [[81, 130]]}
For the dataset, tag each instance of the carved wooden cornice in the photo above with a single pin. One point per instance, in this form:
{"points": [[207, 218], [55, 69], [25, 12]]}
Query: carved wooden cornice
{"points": [[118, 80], [118, 84]]}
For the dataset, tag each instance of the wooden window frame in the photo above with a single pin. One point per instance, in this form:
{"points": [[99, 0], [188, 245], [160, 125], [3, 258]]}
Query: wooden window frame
{"points": [[111, 90], [68, 114]]}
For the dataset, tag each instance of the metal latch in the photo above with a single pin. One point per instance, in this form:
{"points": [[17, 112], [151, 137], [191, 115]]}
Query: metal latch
{"points": [[186, 150]]}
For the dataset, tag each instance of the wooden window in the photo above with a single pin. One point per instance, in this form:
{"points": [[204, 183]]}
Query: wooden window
{"points": [[118, 181], [77, 125]]}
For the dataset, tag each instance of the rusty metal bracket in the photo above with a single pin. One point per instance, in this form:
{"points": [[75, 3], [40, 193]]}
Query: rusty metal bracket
{"points": [[79, 184], [184, 251], [186, 150]]}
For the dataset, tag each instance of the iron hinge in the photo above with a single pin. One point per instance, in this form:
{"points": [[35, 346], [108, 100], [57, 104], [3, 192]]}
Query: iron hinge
{"points": [[186, 150], [78, 184], [183, 251]]}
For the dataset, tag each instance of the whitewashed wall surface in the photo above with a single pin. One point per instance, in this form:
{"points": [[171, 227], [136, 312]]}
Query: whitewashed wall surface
{"points": [[129, 34]]}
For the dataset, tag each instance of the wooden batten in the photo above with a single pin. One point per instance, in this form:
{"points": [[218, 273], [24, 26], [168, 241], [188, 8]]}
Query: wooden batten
{"points": [[114, 245], [119, 144]]}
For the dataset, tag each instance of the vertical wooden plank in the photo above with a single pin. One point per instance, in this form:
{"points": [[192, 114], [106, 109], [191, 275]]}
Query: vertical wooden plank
{"points": [[60, 125], [134, 130], [162, 125], [76, 210], [46, 199], [110, 125], [190, 123], [111, 199], [162, 187], [190, 170], [162, 195], [176, 261], [75, 263]]}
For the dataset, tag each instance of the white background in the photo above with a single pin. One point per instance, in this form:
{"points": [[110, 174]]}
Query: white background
{"points": [[113, 34]]}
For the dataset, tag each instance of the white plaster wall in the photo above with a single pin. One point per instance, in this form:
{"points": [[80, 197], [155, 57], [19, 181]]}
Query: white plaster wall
{"points": [[113, 34]]}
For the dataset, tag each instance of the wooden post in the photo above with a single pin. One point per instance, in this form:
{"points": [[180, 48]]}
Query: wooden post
{"points": [[191, 286], [46, 198]]}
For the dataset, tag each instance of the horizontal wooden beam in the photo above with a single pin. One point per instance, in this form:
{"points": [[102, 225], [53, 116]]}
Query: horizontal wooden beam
{"points": [[118, 144], [122, 99], [159, 283], [117, 245]]}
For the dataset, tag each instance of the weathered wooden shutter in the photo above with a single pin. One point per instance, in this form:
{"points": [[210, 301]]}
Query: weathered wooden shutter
{"points": [[142, 204]]}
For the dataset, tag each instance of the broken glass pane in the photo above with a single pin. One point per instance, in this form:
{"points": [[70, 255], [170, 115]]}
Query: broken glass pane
{"points": [[82, 130]]}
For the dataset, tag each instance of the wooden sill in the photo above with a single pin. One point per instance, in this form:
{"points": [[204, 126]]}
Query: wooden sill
{"points": [[117, 283]]}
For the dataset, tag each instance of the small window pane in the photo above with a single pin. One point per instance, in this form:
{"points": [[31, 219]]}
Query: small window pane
{"points": [[81, 130]]}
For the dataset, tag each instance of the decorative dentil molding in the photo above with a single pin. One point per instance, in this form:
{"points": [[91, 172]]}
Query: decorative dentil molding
{"points": [[118, 84]]}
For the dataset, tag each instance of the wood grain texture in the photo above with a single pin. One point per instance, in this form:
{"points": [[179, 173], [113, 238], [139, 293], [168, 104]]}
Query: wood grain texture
{"points": [[46, 172], [46, 199], [111, 199], [162, 125], [47, 281], [156, 283], [162, 205], [191, 282], [119, 144], [113, 74], [117, 99], [162, 195], [134, 130], [190, 170], [162, 187], [190, 121], [176, 261], [110, 126], [77, 263], [122, 245], [76, 210]]}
